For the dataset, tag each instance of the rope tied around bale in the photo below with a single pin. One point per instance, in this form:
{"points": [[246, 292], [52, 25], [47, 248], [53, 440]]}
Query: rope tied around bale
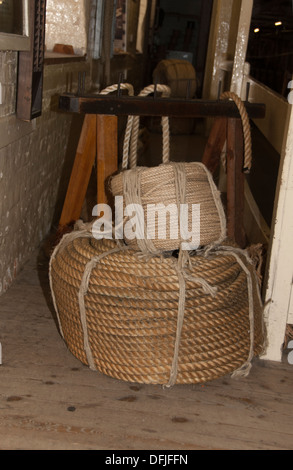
{"points": [[85, 230], [81, 299], [244, 370], [132, 188], [245, 126], [181, 266]]}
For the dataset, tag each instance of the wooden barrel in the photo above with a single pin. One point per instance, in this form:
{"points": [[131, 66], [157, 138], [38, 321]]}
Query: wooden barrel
{"points": [[180, 76]]}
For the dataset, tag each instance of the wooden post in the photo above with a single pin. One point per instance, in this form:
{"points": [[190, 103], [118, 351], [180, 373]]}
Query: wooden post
{"points": [[235, 182], [107, 154], [215, 144], [81, 172]]}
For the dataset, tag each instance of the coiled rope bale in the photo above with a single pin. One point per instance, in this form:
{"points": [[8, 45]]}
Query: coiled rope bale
{"points": [[169, 184], [118, 311]]}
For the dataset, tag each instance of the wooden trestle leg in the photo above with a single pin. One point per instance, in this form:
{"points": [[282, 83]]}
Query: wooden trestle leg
{"points": [[98, 138]]}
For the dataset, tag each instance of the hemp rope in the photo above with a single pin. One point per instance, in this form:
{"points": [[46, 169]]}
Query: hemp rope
{"points": [[180, 178], [84, 230], [81, 294], [79, 232], [243, 371], [132, 187], [130, 158], [132, 131], [132, 192], [123, 86], [130, 89], [245, 126]]}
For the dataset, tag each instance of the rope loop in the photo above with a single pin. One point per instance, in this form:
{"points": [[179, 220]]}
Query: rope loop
{"points": [[132, 131], [115, 87], [245, 126]]}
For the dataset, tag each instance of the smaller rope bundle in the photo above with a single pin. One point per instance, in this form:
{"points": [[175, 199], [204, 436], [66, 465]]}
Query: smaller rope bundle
{"points": [[118, 311], [170, 185]]}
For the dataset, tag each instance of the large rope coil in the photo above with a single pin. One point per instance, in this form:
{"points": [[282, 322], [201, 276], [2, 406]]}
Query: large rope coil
{"points": [[118, 311]]}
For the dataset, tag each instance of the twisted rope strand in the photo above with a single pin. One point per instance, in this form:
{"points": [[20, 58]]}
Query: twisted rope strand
{"points": [[132, 131], [245, 126], [123, 86]]}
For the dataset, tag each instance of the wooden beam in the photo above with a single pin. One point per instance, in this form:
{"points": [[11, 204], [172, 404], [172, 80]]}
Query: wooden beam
{"points": [[107, 153], [81, 172], [148, 106], [215, 144], [235, 182]]}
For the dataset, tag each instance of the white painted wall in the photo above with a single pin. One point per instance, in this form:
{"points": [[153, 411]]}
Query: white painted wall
{"points": [[33, 157], [280, 271], [278, 129], [66, 23]]}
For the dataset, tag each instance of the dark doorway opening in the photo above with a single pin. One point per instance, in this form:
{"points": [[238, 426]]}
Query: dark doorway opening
{"points": [[181, 31]]}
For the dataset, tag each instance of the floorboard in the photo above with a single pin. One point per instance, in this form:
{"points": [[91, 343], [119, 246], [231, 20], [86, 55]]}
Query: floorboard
{"points": [[50, 401]]}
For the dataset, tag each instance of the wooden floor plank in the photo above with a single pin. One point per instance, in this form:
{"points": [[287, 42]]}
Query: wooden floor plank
{"points": [[49, 400]]}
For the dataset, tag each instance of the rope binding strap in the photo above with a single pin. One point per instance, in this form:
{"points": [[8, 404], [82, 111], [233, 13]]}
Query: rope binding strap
{"points": [[120, 313], [245, 126]]}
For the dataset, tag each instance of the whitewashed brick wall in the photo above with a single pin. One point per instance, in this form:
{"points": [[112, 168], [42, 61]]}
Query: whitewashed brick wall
{"points": [[32, 158], [8, 68], [66, 23]]}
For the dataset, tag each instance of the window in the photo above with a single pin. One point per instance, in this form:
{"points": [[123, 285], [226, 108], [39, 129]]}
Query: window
{"points": [[270, 46], [14, 25]]}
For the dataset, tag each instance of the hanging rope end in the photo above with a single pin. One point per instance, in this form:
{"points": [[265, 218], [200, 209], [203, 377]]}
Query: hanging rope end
{"points": [[243, 372]]}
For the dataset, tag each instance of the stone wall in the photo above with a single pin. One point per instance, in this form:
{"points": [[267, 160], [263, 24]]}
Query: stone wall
{"points": [[35, 163]]}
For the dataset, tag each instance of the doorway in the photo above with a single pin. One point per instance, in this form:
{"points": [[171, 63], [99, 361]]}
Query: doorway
{"points": [[181, 31]]}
